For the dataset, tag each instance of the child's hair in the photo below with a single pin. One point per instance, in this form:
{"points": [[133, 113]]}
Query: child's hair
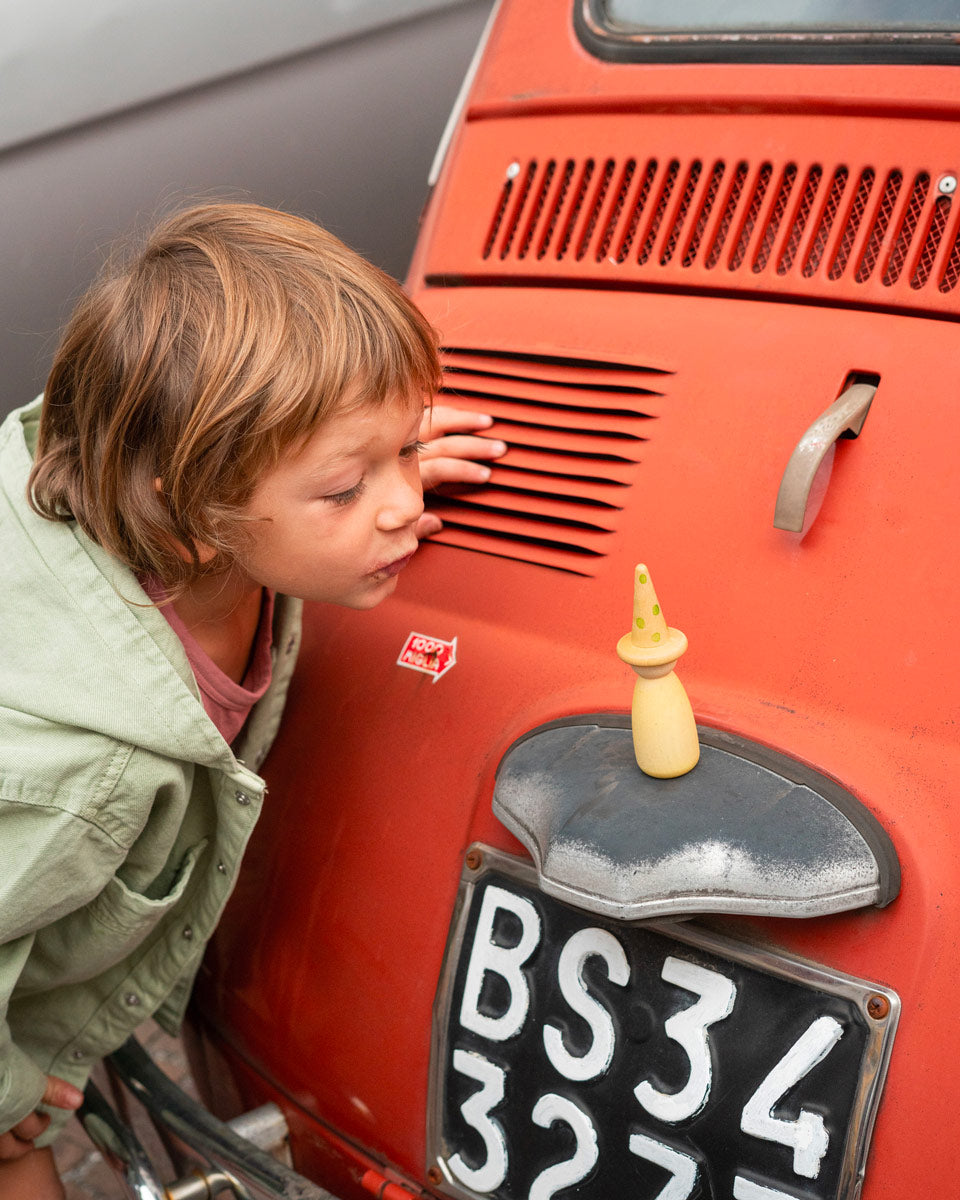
{"points": [[232, 334]]}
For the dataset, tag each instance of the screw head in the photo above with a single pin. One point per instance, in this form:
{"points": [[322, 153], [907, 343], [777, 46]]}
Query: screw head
{"points": [[878, 1007], [947, 185], [474, 860], [434, 1175]]}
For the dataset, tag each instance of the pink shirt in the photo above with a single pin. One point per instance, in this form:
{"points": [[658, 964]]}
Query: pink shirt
{"points": [[226, 702]]}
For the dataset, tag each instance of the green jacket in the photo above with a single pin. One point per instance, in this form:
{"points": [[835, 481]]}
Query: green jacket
{"points": [[123, 812]]}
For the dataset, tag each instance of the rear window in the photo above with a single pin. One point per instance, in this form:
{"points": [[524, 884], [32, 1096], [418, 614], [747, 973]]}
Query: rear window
{"points": [[792, 30]]}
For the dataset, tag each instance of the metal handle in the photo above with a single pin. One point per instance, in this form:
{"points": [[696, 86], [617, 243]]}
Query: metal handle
{"points": [[845, 416]]}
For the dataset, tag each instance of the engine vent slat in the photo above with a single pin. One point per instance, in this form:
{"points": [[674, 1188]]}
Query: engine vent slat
{"points": [[679, 220], [752, 208], [505, 507], [580, 423], [547, 178], [858, 231], [775, 216], [882, 216], [727, 213], [567, 392], [590, 474], [825, 224], [519, 526], [576, 207], [951, 272], [659, 209], [593, 216], [552, 366], [605, 493], [569, 444], [536, 407], [575, 434], [538, 551], [798, 225], [707, 202], [616, 209], [906, 234], [636, 207], [931, 242]]}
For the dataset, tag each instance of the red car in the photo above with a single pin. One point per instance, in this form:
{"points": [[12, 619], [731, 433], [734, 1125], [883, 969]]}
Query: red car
{"points": [[706, 279]]}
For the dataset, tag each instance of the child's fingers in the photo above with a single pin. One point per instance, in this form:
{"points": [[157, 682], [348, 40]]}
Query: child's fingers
{"points": [[463, 446], [435, 471], [451, 460], [441, 419], [60, 1094], [12, 1147], [449, 457], [32, 1125], [428, 524]]}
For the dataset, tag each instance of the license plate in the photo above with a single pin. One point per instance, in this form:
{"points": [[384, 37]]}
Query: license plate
{"points": [[579, 1057]]}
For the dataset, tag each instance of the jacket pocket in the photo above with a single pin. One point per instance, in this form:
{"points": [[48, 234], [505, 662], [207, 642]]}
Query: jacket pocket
{"points": [[127, 911], [103, 933]]}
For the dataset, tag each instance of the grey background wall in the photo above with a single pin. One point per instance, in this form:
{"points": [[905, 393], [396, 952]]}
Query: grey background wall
{"points": [[343, 131]]}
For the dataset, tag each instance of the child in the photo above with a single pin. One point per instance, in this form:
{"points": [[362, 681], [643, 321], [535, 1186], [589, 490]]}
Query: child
{"points": [[230, 426]]}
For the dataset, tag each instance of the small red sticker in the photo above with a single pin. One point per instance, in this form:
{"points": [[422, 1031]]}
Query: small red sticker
{"points": [[433, 656]]}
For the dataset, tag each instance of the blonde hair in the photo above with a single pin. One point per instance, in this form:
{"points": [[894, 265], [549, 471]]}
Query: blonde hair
{"points": [[231, 336]]}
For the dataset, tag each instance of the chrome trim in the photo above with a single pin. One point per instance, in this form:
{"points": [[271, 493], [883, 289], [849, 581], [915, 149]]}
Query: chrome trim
{"points": [[460, 102]]}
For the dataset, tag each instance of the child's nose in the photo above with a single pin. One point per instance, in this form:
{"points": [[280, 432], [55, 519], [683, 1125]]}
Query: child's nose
{"points": [[404, 505]]}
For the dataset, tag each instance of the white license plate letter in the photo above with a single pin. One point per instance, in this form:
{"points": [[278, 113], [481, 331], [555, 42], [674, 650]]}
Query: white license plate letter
{"points": [[476, 1112], [555, 1178], [807, 1135], [682, 1167], [689, 1029], [584, 944], [505, 961]]}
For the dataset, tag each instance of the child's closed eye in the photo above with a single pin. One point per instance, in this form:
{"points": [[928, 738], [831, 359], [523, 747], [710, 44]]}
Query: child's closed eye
{"points": [[346, 497], [339, 499]]}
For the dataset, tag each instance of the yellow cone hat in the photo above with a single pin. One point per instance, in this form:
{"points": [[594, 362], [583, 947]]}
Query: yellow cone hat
{"points": [[650, 642]]}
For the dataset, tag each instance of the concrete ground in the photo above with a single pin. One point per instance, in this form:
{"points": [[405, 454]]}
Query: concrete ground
{"points": [[85, 1175]]}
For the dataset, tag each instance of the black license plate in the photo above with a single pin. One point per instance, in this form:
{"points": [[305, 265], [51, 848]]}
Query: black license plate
{"points": [[579, 1057]]}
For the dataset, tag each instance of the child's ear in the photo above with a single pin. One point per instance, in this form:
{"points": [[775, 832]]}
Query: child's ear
{"points": [[205, 554]]}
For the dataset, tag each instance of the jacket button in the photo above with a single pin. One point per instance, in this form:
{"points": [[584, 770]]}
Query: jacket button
{"points": [[187, 932], [242, 798], [222, 868], [78, 1055], [131, 999]]}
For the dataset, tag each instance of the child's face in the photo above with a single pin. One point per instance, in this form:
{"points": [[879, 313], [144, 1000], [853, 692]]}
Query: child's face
{"points": [[334, 520]]}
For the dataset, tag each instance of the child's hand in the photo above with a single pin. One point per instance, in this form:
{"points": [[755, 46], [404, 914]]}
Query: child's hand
{"points": [[449, 451], [18, 1141]]}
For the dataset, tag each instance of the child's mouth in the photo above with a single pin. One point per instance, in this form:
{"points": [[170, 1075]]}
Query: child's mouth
{"points": [[393, 568]]}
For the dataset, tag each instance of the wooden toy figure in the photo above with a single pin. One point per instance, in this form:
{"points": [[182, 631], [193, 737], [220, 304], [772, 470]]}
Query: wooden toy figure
{"points": [[664, 730]]}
